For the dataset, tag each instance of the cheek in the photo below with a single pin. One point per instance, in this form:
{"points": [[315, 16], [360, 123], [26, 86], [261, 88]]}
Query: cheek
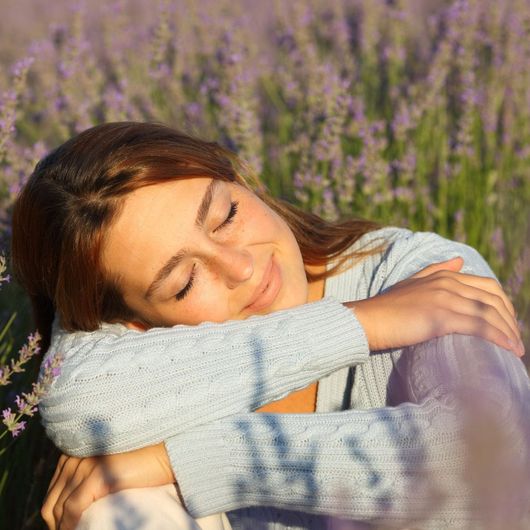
{"points": [[209, 303], [295, 287], [266, 222]]}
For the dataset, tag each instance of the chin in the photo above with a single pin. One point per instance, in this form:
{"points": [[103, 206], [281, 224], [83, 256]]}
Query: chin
{"points": [[291, 299]]}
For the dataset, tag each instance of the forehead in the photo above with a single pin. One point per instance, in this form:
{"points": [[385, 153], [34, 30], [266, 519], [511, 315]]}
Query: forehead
{"points": [[153, 221], [177, 199]]}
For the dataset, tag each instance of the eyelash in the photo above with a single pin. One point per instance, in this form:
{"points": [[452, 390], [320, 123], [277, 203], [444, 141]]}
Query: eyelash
{"points": [[233, 210], [231, 215], [182, 294]]}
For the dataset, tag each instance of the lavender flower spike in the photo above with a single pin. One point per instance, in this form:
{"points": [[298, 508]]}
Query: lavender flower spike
{"points": [[27, 404]]}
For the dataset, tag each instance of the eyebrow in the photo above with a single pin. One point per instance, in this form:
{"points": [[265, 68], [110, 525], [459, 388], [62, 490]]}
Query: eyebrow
{"points": [[174, 260]]}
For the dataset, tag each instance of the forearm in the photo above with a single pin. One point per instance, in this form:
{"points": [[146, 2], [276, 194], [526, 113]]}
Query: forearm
{"points": [[386, 465], [354, 462], [129, 389], [184, 376]]}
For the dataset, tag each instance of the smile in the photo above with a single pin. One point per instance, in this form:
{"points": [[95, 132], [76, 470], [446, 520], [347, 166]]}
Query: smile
{"points": [[268, 289]]}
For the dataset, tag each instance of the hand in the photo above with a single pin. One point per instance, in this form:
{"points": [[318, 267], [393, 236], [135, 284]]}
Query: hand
{"points": [[78, 482], [438, 301]]}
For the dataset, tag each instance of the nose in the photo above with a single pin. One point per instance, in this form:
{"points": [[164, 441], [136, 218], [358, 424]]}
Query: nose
{"points": [[235, 265]]}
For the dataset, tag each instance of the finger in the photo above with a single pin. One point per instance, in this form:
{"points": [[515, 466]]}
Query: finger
{"points": [[493, 288], [78, 501], [58, 468], [59, 508], [480, 327], [65, 468], [486, 312], [509, 323], [450, 264], [489, 284], [48, 518], [54, 490], [78, 477], [50, 508], [46, 513]]}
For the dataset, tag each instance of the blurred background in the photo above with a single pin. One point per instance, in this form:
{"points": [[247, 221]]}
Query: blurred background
{"points": [[411, 112]]}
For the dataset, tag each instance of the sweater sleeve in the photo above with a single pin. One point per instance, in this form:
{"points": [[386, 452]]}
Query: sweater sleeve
{"points": [[387, 466], [121, 389], [390, 465]]}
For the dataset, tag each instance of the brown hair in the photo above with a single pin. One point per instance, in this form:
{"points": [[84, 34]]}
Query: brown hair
{"points": [[75, 192]]}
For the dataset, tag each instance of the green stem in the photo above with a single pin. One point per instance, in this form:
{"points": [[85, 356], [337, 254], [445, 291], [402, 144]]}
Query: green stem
{"points": [[7, 326]]}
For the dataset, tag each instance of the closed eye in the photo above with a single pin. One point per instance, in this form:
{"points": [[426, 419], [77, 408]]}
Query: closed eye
{"points": [[182, 294], [231, 215]]}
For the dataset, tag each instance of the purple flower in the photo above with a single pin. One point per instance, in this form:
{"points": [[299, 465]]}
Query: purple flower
{"points": [[20, 403], [28, 350], [21, 67], [497, 240], [519, 273], [17, 428]]}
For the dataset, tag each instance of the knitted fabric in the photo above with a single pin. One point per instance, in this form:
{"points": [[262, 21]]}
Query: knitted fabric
{"points": [[384, 447]]}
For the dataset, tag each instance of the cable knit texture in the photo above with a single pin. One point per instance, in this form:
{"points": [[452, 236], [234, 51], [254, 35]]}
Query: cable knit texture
{"points": [[390, 443]]}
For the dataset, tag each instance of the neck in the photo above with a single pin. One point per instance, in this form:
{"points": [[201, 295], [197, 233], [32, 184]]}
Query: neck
{"points": [[315, 290]]}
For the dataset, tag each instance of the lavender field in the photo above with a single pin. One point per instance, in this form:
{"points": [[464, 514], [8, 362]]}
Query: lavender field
{"points": [[410, 112]]}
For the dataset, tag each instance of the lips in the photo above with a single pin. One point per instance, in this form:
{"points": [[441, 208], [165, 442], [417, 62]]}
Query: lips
{"points": [[268, 288]]}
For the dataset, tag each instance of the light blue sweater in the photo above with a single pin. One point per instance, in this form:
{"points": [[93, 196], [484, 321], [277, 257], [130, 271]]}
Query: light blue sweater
{"points": [[362, 456]]}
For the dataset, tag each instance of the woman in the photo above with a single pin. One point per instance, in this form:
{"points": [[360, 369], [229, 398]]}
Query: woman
{"points": [[138, 226]]}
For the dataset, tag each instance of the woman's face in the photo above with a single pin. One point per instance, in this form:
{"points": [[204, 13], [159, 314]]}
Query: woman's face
{"points": [[200, 249]]}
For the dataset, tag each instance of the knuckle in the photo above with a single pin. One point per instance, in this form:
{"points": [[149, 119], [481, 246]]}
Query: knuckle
{"points": [[440, 295], [498, 300], [495, 289], [81, 466], [445, 281], [71, 506], [484, 328], [492, 281], [486, 308], [440, 324], [442, 327], [69, 464]]}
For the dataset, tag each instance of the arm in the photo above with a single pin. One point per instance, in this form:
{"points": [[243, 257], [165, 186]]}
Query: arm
{"points": [[387, 465], [122, 389], [381, 463], [365, 282]]}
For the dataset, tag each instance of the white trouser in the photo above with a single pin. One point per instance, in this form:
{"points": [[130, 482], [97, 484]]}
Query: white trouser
{"points": [[146, 509]]}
